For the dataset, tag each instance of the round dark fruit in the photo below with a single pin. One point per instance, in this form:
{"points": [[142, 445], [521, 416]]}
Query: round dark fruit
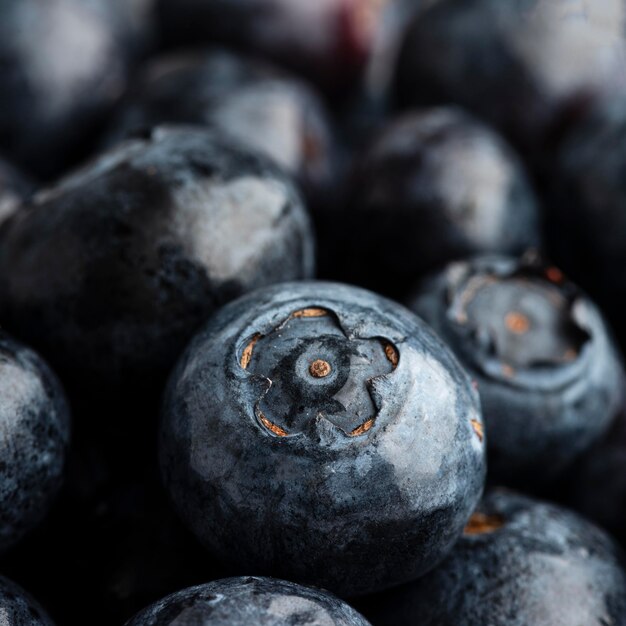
{"points": [[527, 67], [434, 187], [254, 103], [35, 427], [110, 272], [250, 600], [549, 376], [321, 433], [519, 562], [17, 608]]}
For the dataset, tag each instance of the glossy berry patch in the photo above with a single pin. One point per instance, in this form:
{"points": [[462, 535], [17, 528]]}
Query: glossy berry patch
{"points": [[435, 186], [519, 562], [549, 377], [110, 272], [17, 608], [252, 102], [526, 67], [249, 600], [321, 433], [35, 432]]}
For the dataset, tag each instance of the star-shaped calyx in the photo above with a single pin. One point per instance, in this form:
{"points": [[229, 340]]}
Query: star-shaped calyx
{"points": [[315, 371]]}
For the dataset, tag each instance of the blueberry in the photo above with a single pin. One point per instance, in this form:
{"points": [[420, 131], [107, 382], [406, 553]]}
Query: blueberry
{"points": [[14, 188], [254, 103], [246, 601], [549, 377], [327, 41], [110, 272], [525, 66], [321, 433], [588, 218], [17, 608], [519, 562], [34, 422], [62, 67], [435, 186]]}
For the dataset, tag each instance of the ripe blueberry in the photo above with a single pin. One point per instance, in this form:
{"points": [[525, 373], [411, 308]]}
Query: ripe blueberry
{"points": [[110, 272], [17, 608], [247, 601], [549, 377], [252, 102], [434, 187], [523, 66], [519, 562], [321, 433], [35, 425]]}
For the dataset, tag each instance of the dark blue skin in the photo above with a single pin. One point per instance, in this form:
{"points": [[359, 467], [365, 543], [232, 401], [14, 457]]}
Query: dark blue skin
{"points": [[435, 186], [527, 67], [520, 562], [63, 65], [327, 41], [549, 376], [256, 104], [14, 189], [248, 601], [35, 431], [321, 433], [588, 220], [17, 608], [110, 272]]}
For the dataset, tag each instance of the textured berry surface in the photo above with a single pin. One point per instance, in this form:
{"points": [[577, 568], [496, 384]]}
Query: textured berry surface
{"points": [[321, 433], [34, 437], [111, 271], [247, 601], [17, 608], [519, 562], [549, 375]]}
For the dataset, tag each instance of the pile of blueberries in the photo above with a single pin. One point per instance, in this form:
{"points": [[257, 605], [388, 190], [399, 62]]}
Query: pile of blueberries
{"points": [[312, 312]]}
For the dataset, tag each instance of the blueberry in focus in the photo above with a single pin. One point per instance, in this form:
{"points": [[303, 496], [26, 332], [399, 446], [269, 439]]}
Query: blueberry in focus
{"points": [[249, 600], [519, 562], [527, 67], [328, 41], [110, 272], [17, 608], [14, 189], [588, 221], [435, 186], [35, 427], [253, 102], [62, 67], [549, 376], [323, 434]]}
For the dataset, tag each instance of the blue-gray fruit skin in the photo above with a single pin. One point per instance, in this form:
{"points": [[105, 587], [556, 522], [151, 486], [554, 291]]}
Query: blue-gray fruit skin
{"points": [[320, 433], [520, 562], [435, 186], [34, 437], [64, 64], [526, 67], [549, 376], [250, 600], [110, 272], [14, 189], [17, 608], [265, 109]]}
